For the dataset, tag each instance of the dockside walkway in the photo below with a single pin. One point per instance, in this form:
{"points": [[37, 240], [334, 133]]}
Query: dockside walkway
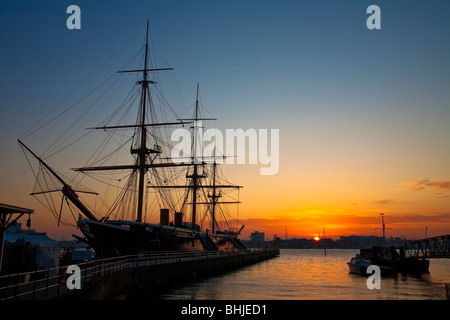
{"points": [[110, 278]]}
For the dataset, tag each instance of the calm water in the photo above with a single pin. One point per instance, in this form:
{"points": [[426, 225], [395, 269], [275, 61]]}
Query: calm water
{"points": [[305, 274]]}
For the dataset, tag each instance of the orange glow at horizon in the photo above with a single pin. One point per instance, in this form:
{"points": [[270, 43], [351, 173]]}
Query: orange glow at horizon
{"points": [[302, 223], [290, 209]]}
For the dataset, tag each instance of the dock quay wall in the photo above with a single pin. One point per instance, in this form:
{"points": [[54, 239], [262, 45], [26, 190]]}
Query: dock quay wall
{"points": [[114, 278]]}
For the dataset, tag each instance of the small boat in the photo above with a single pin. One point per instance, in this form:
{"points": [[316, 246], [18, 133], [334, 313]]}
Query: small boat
{"points": [[390, 258], [358, 265]]}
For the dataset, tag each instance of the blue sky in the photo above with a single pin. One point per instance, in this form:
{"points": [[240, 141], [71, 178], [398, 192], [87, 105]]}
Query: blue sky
{"points": [[341, 94], [249, 54]]}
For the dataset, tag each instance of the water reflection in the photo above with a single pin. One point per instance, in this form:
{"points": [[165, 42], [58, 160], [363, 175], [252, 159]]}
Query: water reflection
{"points": [[308, 274]]}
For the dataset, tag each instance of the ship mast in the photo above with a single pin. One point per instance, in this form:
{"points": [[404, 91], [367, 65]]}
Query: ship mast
{"points": [[199, 160], [195, 176], [214, 198], [142, 151]]}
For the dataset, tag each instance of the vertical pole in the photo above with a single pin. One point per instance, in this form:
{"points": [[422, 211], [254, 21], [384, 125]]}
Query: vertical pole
{"points": [[214, 198], [34, 283], [143, 148], [2, 236], [46, 284], [195, 173], [383, 225]]}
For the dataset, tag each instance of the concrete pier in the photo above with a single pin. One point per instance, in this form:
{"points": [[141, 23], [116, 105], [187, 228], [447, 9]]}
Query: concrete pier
{"points": [[132, 279], [116, 278], [119, 277]]}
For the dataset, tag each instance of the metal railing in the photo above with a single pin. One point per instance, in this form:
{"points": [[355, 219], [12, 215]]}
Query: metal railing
{"points": [[51, 284]]}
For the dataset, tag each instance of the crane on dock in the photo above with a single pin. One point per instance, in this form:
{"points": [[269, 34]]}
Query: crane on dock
{"points": [[383, 226]]}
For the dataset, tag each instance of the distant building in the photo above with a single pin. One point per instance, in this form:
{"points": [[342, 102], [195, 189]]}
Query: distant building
{"points": [[257, 239], [361, 242]]}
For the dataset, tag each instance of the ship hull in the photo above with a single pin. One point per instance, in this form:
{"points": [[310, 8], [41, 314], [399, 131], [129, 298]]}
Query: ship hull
{"points": [[118, 238], [356, 269]]}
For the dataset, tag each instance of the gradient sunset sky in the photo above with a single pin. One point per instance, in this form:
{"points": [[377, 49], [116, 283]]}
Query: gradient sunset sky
{"points": [[364, 115]]}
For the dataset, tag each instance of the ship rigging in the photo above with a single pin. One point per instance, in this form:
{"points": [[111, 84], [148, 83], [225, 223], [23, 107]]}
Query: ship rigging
{"points": [[151, 173]]}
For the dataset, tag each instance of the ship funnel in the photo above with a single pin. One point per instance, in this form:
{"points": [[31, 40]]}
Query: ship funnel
{"points": [[178, 219], [164, 216]]}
